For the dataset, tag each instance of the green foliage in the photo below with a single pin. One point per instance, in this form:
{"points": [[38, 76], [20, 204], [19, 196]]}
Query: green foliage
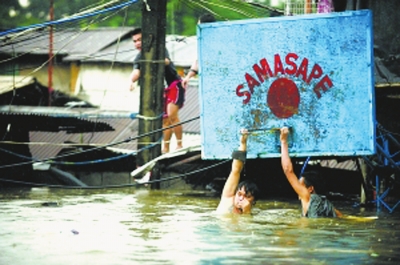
{"points": [[182, 15]]}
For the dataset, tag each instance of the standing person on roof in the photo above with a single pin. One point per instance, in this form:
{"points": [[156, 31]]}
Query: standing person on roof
{"points": [[236, 197], [194, 69], [312, 204], [174, 94]]}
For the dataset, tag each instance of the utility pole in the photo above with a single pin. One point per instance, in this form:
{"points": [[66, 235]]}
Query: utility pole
{"points": [[152, 82]]}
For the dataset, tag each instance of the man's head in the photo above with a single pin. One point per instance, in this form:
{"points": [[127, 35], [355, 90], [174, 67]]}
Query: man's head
{"points": [[312, 181], [137, 38], [246, 196], [206, 18]]}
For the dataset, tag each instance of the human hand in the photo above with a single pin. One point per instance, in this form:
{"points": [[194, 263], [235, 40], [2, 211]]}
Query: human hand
{"points": [[244, 135], [284, 134], [185, 82]]}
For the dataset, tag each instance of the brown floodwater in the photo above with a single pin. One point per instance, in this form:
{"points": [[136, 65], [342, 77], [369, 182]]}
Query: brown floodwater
{"points": [[140, 226]]}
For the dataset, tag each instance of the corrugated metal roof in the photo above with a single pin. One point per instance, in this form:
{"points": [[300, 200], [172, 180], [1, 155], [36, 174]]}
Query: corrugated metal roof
{"points": [[65, 41], [190, 110], [349, 164], [39, 122], [45, 144], [121, 51], [65, 112], [97, 45], [101, 46], [182, 50], [125, 128], [48, 144]]}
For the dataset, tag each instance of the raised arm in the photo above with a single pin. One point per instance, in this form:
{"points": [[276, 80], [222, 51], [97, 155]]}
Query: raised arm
{"points": [[239, 157], [287, 167]]}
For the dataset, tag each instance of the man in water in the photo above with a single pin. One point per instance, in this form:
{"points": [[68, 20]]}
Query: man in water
{"points": [[312, 204], [236, 197]]}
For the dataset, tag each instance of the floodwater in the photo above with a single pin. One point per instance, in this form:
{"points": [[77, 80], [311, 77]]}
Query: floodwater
{"points": [[140, 226]]}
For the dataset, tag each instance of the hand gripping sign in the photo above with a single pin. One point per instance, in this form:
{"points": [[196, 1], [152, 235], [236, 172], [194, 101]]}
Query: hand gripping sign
{"points": [[313, 73]]}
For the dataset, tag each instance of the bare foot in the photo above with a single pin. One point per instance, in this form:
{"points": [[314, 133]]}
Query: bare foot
{"points": [[179, 147], [179, 144], [165, 150]]}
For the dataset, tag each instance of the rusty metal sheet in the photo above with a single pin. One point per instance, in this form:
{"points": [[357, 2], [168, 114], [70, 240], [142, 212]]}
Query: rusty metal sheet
{"points": [[313, 73]]}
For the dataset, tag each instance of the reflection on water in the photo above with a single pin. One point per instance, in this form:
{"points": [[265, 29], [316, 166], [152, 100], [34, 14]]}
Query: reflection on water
{"points": [[128, 226]]}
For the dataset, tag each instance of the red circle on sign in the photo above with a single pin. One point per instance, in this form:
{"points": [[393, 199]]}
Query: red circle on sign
{"points": [[283, 98]]}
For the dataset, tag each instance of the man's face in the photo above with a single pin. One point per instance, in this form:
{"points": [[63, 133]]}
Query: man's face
{"points": [[137, 41], [243, 202]]}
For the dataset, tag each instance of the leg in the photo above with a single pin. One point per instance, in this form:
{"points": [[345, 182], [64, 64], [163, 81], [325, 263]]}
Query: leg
{"points": [[166, 135], [173, 111]]}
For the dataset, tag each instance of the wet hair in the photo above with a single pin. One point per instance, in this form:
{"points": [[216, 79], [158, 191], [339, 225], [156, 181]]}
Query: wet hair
{"points": [[136, 31], [313, 178], [206, 18], [250, 188]]}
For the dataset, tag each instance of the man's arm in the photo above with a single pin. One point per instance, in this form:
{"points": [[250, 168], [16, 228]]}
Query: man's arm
{"points": [[135, 74], [133, 77], [232, 181], [287, 167], [192, 72]]}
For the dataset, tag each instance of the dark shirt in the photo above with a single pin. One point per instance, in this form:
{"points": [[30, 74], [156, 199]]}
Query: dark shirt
{"points": [[320, 206], [171, 74]]}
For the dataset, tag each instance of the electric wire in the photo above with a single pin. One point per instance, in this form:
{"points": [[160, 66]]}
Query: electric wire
{"points": [[80, 163], [136, 184], [68, 19], [69, 38], [114, 58], [51, 159], [88, 14]]}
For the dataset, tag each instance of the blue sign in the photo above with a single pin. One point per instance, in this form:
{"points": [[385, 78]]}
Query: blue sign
{"points": [[312, 73]]}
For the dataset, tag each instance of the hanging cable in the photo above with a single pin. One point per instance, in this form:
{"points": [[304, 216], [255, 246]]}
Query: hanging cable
{"points": [[136, 184], [65, 20], [97, 161], [51, 159]]}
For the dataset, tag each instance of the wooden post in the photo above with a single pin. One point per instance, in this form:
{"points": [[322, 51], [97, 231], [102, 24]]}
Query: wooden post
{"points": [[152, 81], [363, 169]]}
